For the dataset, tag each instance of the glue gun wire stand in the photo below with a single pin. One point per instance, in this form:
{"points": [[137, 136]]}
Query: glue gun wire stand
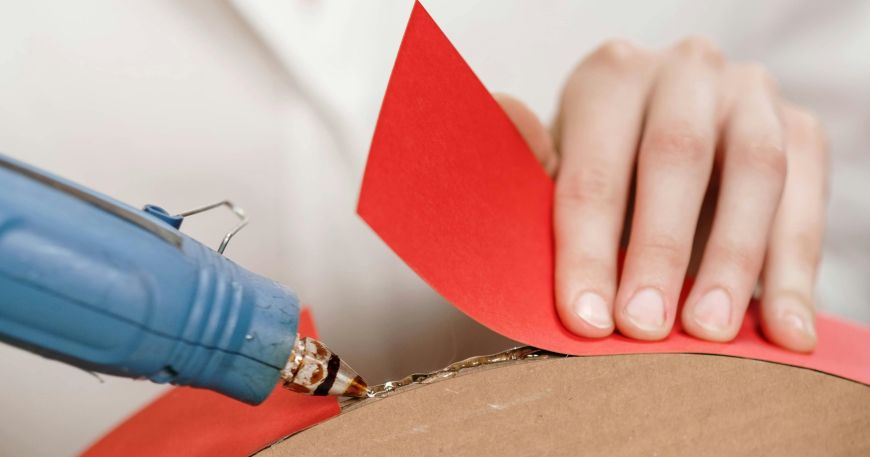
{"points": [[91, 281]]}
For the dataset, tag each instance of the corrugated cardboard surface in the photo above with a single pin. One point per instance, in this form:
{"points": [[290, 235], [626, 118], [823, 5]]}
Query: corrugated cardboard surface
{"points": [[651, 404]]}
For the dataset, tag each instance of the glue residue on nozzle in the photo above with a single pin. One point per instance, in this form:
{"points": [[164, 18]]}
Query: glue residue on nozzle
{"points": [[313, 369]]}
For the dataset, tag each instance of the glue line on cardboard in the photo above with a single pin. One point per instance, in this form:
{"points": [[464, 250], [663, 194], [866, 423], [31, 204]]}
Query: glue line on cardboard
{"points": [[452, 188]]}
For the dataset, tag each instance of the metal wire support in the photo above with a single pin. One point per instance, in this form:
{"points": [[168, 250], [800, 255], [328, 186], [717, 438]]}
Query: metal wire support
{"points": [[238, 211]]}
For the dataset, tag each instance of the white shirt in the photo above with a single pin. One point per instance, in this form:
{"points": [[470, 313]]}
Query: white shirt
{"points": [[273, 103]]}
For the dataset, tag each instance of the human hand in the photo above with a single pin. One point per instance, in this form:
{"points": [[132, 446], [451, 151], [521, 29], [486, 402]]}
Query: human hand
{"points": [[641, 138]]}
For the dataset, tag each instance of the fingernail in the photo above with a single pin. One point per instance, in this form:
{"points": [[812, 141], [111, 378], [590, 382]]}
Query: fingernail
{"points": [[646, 309], [713, 310], [793, 313], [592, 308]]}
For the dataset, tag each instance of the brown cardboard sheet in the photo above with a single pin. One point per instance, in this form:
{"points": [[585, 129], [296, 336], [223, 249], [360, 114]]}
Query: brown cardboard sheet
{"points": [[622, 405]]}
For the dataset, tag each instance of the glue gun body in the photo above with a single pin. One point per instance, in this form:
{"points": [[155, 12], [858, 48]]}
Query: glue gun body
{"points": [[113, 289]]}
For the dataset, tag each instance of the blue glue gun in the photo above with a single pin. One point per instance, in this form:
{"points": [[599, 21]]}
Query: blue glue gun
{"points": [[110, 288]]}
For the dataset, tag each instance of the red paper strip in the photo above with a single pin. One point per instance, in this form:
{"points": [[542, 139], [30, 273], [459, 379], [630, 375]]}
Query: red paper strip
{"points": [[454, 190], [197, 422]]}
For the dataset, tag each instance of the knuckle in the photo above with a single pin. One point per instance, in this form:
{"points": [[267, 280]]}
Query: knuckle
{"points": [[589, 185], [741, 257], [804, 126], [677, 146], [808, 250], [766, 158], [617, 54], [586, 267], [808, 121], [664, 250], [699, 48], [758, 74]]}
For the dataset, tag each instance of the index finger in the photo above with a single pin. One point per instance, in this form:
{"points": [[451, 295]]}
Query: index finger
{"points": [[601, 116]]}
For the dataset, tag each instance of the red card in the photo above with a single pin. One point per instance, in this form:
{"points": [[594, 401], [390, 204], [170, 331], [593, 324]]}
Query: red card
{"points": [[197, 422], [453, 189]]}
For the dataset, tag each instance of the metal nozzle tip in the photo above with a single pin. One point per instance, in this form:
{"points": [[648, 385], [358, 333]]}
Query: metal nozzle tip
{"points": [[313, 369], [357, 388]]}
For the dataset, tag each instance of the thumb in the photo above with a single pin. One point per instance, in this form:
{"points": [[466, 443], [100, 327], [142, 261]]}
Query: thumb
{"points": [[533, 131]]}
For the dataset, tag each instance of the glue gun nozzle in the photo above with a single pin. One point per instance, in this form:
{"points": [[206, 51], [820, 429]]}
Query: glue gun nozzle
{"points": [[357, 387], [313, 369]]}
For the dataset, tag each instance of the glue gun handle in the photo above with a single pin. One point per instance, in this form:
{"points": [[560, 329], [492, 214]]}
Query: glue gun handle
{"points": [[110, 288]]}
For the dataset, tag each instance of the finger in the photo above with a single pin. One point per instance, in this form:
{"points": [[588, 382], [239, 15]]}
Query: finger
{"points": [[532, 130], [795, 247], [674, 165], [753, 174], [600, 119]]}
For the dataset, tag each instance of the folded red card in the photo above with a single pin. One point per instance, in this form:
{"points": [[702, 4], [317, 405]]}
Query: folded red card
{"points": [[453, 189], [197, 422]]}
